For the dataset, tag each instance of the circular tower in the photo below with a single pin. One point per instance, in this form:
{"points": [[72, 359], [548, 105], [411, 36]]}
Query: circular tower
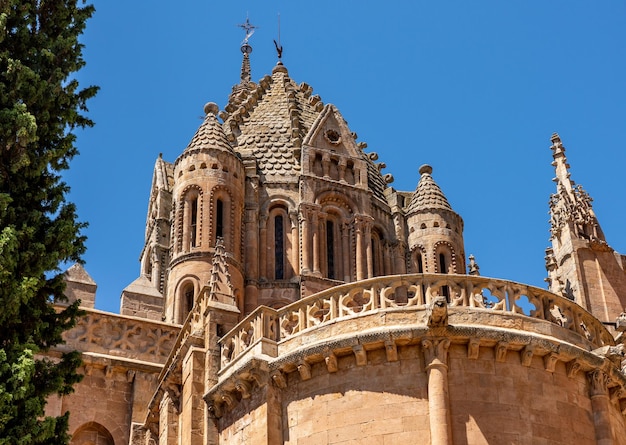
{"points": [[435, 230], [208, 201]]}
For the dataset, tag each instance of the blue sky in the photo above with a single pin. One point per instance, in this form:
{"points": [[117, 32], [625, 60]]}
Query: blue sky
{"points": [[474, 89]]}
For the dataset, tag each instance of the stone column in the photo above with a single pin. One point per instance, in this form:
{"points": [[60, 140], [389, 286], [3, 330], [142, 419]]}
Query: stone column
{"points": [[345, 251], [368, 250], [186, 224], [295, 252], [388, 252], [358, 227], [436, 359], [316, 243], [600, 405], [306, 250], [263, 246], [252, 244]]}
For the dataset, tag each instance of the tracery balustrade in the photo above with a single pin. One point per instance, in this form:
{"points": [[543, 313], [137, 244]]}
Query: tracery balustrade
{"points": [[409, 292]]}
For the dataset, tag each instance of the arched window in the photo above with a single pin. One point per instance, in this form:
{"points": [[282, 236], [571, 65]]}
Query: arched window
{"points": [[219, 219], [279, 247], [330, 249], [185, 301], [444, 265], [419, 263], [193, 223], [190, 214], [92, 433], [378, 254]]}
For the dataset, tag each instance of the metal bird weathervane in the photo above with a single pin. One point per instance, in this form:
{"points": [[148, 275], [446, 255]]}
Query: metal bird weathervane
{"points": [[279, 48], [249, 28]]}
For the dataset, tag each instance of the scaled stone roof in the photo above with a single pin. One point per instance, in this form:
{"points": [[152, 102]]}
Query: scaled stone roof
{"points": [[375, 180], [427, 195], [270, 123], [210, 134]]}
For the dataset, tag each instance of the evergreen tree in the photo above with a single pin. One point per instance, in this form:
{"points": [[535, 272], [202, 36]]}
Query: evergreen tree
{"points": [[40, 105]]}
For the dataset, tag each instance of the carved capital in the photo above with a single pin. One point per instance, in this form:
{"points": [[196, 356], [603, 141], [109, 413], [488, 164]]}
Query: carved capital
{"points": [[598, 382], [435, 351]]}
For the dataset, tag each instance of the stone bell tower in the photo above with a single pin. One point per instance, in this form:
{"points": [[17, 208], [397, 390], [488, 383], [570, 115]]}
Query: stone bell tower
{"points": [[581, 265]]}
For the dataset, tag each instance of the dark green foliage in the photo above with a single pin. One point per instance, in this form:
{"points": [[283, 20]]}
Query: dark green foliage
{"points": [[40, 104]]}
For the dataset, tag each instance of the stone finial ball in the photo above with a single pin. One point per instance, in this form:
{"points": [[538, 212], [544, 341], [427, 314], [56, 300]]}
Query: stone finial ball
{"points": [[212, 108], [425, 169]]}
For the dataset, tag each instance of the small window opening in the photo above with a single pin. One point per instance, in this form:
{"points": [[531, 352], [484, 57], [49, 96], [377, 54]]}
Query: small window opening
{"points": [[279, 248]]}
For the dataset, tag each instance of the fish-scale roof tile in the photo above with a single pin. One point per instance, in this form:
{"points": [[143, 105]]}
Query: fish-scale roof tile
{"points": [[210, 133], [427, 195]]}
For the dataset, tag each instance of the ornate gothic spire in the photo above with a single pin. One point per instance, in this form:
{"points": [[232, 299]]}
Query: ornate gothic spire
{"points": [[571, 204], [220, 287]]}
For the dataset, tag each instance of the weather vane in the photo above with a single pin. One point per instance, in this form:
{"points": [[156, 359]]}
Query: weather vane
{"points": [[249, 29], [279, 48]]}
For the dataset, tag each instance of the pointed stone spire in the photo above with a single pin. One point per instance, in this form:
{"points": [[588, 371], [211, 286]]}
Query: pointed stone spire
{"points": [[581, 265], [571, 204], [427, 195], [220, 286]]}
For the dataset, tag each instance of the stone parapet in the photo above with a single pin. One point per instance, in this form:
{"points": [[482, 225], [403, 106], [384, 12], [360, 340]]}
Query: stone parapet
{"points": [[519, 307], [122, 337]]}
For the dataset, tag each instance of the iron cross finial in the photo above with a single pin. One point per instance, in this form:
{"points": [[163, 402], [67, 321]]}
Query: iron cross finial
{"points": [[249, 29]]}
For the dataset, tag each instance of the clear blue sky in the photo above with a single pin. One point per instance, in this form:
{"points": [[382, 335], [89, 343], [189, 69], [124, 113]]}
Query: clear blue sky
{"points": [[473, 88]]}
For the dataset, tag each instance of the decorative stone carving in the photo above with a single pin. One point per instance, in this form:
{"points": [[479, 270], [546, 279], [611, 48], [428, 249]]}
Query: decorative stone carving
{"points": [[360, 354], [501, 350], [279, 379], [572, 368], [526, 355], [473, 348], [599, 381], [549, 361], [331, 362], [437, 312], [305, 370], [113, 335], [435, 351], [391, 350]]}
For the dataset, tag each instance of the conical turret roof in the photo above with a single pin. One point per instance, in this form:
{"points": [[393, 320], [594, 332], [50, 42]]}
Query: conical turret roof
{"points": [[210, 134], [427, 195]]}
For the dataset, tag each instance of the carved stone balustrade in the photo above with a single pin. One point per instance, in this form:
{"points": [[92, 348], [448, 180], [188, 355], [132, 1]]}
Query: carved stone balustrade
{"points": [[512, 306]]}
